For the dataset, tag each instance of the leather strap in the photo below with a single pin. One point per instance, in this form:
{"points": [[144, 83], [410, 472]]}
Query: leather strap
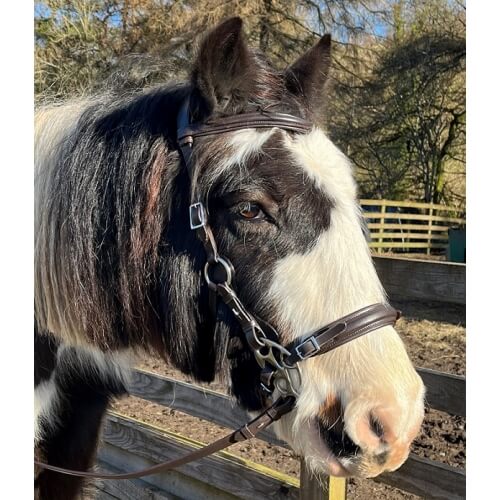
{"points": [[279, 408], [341, 331], [262, 119], [187, 131]]}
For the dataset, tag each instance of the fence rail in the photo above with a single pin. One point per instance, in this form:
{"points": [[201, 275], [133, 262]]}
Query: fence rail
{"points": [[409, 226], [130, 443], [421, 279]]}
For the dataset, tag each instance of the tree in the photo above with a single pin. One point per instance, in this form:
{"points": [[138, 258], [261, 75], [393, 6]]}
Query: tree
{"points": [[396, 103], [410, 132]]}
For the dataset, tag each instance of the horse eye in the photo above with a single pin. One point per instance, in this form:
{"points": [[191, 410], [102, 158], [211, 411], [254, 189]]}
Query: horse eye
{"points": [[249, 211]]}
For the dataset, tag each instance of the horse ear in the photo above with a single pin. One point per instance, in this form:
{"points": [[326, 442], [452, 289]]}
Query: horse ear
{"points": [[307, 76], [222, 71]]}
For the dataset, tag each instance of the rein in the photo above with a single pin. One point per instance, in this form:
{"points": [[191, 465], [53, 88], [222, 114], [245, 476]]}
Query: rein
{"points": [[280, 371], [247, 431]]}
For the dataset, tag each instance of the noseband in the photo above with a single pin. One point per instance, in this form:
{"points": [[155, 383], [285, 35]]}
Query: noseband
{"points": [[280, 372]]}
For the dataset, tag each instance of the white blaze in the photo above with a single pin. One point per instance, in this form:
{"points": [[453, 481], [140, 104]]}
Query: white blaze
{"points": [[337, 277]]}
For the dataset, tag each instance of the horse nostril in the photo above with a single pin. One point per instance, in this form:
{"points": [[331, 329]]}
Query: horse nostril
{"points": [[376, 427]]}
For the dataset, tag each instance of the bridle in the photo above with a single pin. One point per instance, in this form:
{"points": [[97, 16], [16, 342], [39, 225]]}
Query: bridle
{"points": [[280, 371], [280, 376]]}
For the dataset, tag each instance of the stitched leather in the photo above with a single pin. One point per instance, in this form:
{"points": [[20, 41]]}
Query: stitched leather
{"points": [[341, 331], [261, 119]]}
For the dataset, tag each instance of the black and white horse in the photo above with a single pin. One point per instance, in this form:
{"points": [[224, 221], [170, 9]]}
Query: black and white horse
{"points": [[117, 270]]}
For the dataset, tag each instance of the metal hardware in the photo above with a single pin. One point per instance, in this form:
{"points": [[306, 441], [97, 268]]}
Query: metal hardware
{"points": [[286, 379], [314, 350], [228, 269], [265, 389], [197, 215]]}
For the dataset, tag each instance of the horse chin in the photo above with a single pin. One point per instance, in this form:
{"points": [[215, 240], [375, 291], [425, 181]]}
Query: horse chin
{"points": [[305, 440], [319, 459]]}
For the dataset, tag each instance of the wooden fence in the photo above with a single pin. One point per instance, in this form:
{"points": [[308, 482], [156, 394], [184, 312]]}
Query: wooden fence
{"points": [[422, 279], [129, 444], [410, 227]]}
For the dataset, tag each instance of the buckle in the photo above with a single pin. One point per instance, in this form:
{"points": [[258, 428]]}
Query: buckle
{"points": [[197, 215], [311, 349]]}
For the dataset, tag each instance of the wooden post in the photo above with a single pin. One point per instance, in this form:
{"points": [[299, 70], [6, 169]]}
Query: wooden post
{"points": [[324, 488], [382, 229], [429, 231]]}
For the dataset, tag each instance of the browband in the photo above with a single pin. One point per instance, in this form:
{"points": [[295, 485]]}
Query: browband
{"points": [[186, 131], [261, 119]]}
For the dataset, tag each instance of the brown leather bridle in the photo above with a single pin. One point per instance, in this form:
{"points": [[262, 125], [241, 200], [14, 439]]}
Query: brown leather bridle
{"points": [[280, 373]]}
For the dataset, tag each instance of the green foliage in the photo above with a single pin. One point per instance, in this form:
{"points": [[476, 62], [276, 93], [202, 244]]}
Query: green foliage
{"points": [[396, 104]]}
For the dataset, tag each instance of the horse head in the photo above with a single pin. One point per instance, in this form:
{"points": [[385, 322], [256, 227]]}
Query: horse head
{"points": [[283, 209]]}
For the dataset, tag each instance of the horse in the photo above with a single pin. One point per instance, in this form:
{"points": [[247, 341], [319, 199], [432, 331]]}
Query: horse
{"points": [[118, 271]]}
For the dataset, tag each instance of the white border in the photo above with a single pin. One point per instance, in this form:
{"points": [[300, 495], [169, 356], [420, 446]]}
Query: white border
{"points": [[483, 247], [16, 261]]}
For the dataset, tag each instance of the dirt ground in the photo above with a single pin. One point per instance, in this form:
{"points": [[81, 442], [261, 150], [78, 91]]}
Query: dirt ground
{"points": [[435, 337]]}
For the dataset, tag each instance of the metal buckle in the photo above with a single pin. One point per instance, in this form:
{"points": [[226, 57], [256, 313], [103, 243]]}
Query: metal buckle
{"points": [[315, 349], [197, 215]]}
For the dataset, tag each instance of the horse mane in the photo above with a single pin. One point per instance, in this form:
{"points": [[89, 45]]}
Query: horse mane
{"points": [[115, 266]]}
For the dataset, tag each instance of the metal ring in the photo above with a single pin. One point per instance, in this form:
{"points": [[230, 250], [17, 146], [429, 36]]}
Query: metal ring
{"points": [[228, 268]]}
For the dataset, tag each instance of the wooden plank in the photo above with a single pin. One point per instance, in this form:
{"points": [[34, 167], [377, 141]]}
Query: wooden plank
{"points": [[127, 489], [403, 226], [226, 472], [193, 400], [312, 488], [408, 253], [169, 483], [337, 488], [427, 478], [403, 216], [382, 221], [421, 279], [429, 231], [445, 392], [405, 244], [414, 236], [409, 204]]}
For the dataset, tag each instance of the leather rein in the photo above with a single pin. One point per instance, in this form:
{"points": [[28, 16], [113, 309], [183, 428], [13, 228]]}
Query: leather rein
{"points": [[280, 372]]}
